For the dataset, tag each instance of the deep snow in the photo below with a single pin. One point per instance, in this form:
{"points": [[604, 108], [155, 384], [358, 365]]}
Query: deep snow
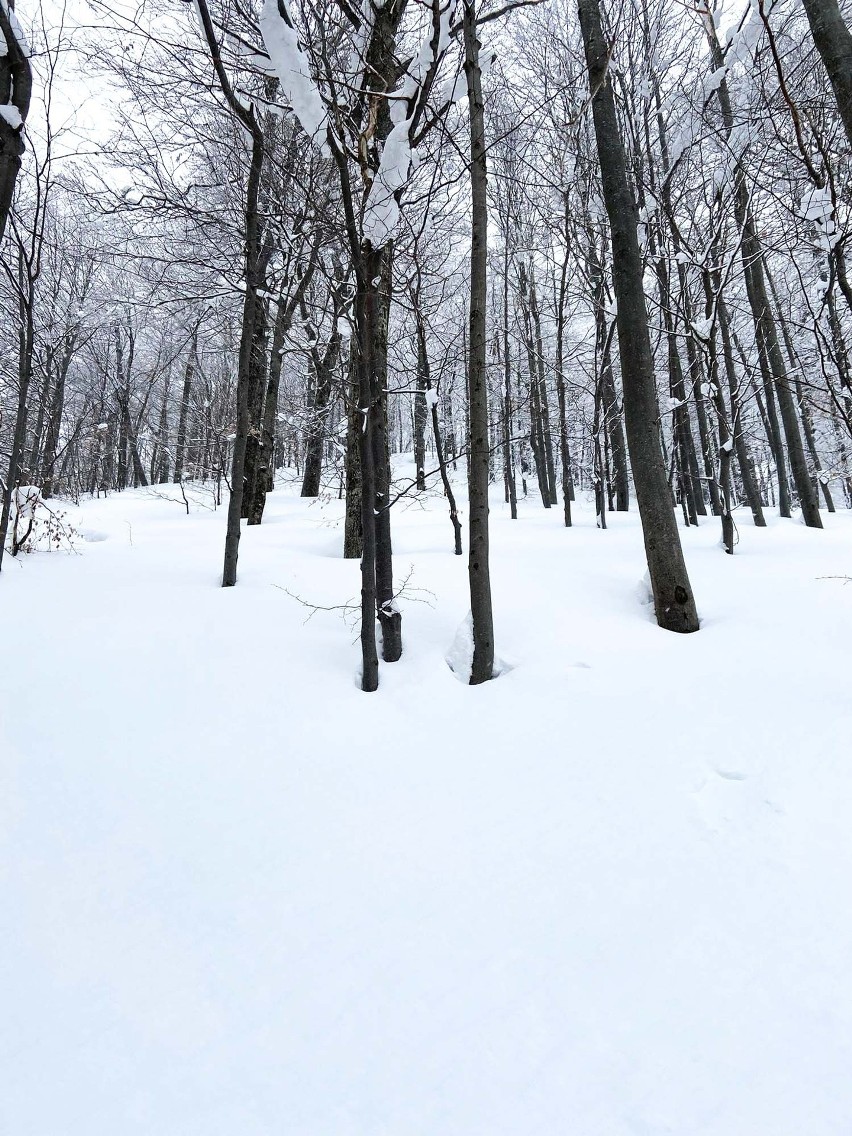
{"points": [[605, 895]]}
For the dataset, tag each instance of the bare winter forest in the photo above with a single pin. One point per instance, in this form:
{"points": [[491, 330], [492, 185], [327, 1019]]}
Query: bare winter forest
{"points": [[393, 310]]}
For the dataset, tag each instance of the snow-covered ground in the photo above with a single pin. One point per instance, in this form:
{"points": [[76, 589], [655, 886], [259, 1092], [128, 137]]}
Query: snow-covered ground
{"points": [[607, 894]]}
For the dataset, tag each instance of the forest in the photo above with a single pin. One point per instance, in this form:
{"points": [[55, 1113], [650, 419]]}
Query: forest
{"points": [[382, 346]]}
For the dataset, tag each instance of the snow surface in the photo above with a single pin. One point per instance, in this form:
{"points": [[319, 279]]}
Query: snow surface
{"points": [[606, 894]]}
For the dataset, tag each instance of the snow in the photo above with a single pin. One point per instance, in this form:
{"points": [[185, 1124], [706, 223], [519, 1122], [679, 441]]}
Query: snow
{"points": [[11, 115], [240, 896], [17, 31], [292, 67]]}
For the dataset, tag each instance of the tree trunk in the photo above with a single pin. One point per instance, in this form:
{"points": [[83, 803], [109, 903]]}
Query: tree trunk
{"points": [[324, 368], [834, 43], [352, 534], [244, 365], [15, 91], [188, 375], [673, 599], [482, 666], [25, 372]]}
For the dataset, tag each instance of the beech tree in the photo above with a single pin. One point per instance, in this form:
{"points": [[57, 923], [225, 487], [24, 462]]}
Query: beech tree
{"points": [[673, 600]]}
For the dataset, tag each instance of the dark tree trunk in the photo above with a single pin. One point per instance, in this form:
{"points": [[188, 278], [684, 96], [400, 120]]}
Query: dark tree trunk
{"points": [[160, 467], [543, 403], [766, 334], [743, 460], [673, 599], [15, 91], [26, 340], [390, 617], [795, 367], [244, 365], [564, 450], [324, 366], [188, 375], [482, 667], [352, 535], [696, 375], [54, 427], [366, 299], [686, 461], [258, 456], [436, 431], [421, 415], [615, 433], [834, 43]]}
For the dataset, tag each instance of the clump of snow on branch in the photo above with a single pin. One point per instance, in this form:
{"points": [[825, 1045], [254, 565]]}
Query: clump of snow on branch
{"points": [[292, 68], [399, 157], [11, 115]]}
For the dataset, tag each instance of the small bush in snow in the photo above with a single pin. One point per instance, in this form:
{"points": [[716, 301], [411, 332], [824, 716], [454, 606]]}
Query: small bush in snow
{"points": [[35, 526]]}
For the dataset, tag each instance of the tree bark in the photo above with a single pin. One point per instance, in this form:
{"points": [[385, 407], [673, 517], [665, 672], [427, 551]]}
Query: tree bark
{"points": [[673, 599], [834, 43], [482, 666]]}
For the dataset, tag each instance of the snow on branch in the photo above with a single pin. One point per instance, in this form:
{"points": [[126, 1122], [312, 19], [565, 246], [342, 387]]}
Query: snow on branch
{"points": [[399, 156], [292, 68]]}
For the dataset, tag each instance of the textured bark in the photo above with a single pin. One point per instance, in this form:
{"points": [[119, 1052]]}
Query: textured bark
{"points": [[324, 364], [482, 666], [421, 410], [26, 338], [15, 92], [834, 43], [352, 535], [186, 395], [258, 457], [250, 301], [543, 401], [766, 334], [768, 337], [673, 599], [743, 459], [614, 435], [365, 316], [796, 369], [390, 617], [534, 393], [561, 395], [54, 423], [254, 277]]}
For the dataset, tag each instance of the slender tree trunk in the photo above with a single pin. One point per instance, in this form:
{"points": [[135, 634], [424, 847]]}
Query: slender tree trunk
{"points": [[366, 299], [25, 371], [188, 375], [673, 599], [258, 458], [352, 534], [324, 368], [389, 615], [561, 394], [421, 410], [244, 366], [743, 459], [482, 667], [795, 368], [543, 402], [765, 325]]}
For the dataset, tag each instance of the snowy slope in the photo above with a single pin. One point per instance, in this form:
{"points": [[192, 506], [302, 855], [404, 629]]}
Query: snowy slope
{"points": [[604, 895]]}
